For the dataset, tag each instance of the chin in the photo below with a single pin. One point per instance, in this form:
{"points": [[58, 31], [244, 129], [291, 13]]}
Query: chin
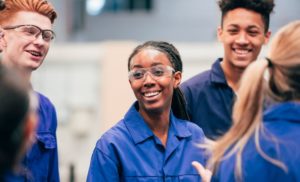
{"points": [[31, 68], [242, 63], [34, 66], [153, 108]]}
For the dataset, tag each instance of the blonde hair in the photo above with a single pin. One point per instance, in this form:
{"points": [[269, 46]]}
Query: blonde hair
{"points": [[42, 7], [284, 66]]}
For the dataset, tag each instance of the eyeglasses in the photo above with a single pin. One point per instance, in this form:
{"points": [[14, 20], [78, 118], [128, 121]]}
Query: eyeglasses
{"points": [[32, 32], [157, 72]]}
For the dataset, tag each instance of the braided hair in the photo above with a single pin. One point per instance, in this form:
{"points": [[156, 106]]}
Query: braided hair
{"points": [[178, 101]]}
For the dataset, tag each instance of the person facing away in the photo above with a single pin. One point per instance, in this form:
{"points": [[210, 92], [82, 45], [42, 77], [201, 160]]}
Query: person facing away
{"points": [[210, 95], [151, 142], [26, 27], [18, 121], [265, 146]]}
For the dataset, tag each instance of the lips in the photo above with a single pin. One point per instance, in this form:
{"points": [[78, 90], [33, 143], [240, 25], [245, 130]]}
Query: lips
{"points": [[35, 53], [242, 51], [150, 94]]}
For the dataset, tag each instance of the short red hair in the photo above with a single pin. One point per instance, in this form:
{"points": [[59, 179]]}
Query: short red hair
{"points": [[42, 7]]}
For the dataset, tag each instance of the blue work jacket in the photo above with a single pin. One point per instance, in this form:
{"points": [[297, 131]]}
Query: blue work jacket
{"points": [[209, 101], [41, 161], [282, 122], [130, 151]]}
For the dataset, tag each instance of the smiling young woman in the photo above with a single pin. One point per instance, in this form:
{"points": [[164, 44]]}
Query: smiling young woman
{"points": [[152, 142]]}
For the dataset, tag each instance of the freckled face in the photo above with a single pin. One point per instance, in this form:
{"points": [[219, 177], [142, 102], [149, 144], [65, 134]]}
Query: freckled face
{"points": [[242, 35], [153, 94]]}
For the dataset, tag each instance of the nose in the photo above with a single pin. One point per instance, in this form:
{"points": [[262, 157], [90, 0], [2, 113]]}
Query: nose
{"points": [[148, 80], [242, 38]]}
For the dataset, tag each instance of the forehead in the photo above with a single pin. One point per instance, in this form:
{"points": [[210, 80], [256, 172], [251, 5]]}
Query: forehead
{"points": [[30, 18], [241, 17], [149, 57]]}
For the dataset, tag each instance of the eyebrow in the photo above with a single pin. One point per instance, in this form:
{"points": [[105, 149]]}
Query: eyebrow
{"points": [[248, 27], [253, 27]]}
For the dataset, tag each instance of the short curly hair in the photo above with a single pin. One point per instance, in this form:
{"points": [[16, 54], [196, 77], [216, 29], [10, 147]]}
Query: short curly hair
{"points": [[263, 7]]}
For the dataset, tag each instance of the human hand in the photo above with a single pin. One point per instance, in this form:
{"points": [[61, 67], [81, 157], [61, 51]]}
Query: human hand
{"points": [[204, 173]]}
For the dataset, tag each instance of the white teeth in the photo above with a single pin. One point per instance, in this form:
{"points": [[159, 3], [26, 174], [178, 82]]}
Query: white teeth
{"points": [[241, 51], [150, 94]]}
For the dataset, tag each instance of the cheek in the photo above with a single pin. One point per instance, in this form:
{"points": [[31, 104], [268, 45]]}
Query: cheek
{"points": [[259, 44], [227, 48], [168, 85], [227, 43], [47, 49], [15, 45], [258, 41], [13, 50], [135, 87]]}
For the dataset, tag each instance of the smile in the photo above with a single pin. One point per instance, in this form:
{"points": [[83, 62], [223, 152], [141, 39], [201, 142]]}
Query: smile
{"points": [[151, 94], [242, 51], [35, 53]]}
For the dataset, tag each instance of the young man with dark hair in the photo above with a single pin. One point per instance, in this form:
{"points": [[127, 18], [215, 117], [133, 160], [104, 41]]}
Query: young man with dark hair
{"points": [[243, 31]]}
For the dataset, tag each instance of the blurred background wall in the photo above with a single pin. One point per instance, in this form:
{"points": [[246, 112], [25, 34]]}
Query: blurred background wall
{"points": [[85, 73]]}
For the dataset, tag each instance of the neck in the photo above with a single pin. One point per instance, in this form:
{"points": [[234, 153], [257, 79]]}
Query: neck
{"points": [[158, 122], [232, 75], [27, 76]]}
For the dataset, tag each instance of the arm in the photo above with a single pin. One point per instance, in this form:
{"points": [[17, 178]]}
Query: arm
{"points": [[102, 168]]}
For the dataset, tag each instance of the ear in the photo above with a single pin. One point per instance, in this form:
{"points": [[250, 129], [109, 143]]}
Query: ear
{"points": [[267, 37], [177, 78], [220, 33]]}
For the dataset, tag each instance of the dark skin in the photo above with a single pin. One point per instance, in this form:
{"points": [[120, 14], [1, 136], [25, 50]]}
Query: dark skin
{"points": [[242, 34], [154, 96]]}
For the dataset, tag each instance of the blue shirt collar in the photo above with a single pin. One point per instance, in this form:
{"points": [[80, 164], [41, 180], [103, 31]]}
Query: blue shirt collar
{"points": [[140, 131], [217, 73], [283, 111]]}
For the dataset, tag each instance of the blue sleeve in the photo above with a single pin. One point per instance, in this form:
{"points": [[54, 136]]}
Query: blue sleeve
{"points": [[102, 168]]}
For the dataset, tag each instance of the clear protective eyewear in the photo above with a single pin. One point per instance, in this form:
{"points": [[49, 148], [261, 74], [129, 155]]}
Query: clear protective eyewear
{"points": [[32, 32], [157, 72]]}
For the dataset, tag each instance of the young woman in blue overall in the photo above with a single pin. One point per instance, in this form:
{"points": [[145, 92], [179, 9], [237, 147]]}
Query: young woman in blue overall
{"points": [[151, 143]]}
